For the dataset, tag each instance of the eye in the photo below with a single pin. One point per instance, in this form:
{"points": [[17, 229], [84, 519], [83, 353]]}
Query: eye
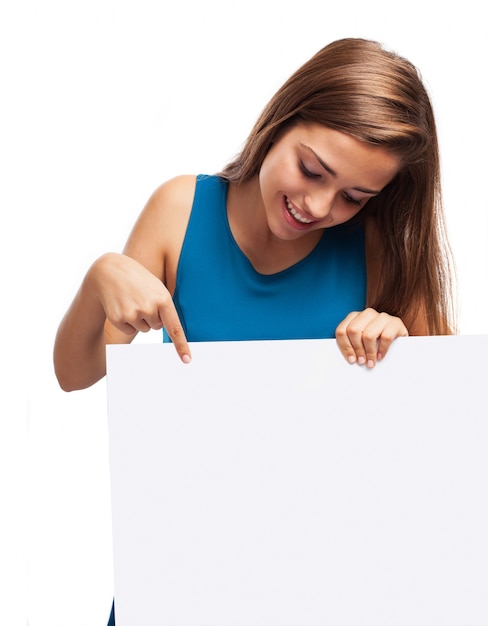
{"points": [[351, 200], [306, 172]]}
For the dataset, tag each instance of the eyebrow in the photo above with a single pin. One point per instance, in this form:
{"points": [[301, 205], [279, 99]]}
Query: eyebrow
{"points": [[328, 169]]}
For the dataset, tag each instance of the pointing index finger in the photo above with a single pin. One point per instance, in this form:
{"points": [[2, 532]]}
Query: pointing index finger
{"points": [[177, 335], [180, 343]]}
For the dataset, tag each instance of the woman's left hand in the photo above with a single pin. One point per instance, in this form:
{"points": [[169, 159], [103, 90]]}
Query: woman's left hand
{"points": [[364, 337]]}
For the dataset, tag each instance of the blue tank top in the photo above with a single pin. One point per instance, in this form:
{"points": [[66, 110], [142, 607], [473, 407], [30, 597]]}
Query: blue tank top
{"points": [[219, 295]]}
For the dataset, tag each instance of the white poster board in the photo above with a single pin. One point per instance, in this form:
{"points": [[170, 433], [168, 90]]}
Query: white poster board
{"points": [[274, 484]]}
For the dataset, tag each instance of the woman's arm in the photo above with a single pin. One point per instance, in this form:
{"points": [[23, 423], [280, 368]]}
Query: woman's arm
{"points": [[123, 294], [79, 348]]}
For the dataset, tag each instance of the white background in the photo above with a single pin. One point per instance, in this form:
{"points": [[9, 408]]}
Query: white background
{"points": [[100, 102]]}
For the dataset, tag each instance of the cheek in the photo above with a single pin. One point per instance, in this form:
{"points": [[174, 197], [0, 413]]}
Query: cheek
{"points": [[277, 167], [265, 172]]}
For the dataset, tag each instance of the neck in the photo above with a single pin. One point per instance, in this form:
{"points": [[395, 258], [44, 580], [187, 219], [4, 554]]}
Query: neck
{"points": [[249, 226]]}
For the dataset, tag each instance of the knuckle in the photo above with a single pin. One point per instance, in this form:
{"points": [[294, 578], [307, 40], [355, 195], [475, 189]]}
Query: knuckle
{"points": [[120, 321], [388, 336], [369, 336], [176, 333], [115, 319], [355, 332]]}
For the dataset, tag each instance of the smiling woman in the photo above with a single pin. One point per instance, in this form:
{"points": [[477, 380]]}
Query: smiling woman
{"points": [[328, 223], [366, 93], [349, 139]]}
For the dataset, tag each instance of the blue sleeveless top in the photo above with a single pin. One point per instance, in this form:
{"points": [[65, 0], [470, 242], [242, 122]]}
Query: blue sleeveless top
{"points": [[219, 295]]}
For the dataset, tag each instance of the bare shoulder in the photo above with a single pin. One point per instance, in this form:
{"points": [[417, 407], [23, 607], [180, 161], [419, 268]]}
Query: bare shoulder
{"points": [[176, 193], [157, 236], [169, 204]]}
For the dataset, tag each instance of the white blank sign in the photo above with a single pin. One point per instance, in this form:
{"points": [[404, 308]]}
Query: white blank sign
{"points": [[273, 484]]}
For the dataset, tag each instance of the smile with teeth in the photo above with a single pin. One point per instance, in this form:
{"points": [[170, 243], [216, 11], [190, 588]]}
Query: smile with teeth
{"points": [[296, 214]]}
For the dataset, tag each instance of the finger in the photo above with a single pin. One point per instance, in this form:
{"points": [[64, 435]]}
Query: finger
{"points": [[370, 335], [373, 325], [124, 327], [140, 320], [395, 329], [130, 326], [133, 325], [142, 326], [344, 339], [378, 336], [151, 322], [176, 333], [362, 347]]}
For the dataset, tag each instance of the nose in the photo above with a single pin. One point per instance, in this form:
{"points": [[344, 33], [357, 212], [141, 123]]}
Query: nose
{"points": [[320, 204]]}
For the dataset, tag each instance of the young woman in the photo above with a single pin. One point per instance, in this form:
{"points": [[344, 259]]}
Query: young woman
{"points": [[328, 223]]}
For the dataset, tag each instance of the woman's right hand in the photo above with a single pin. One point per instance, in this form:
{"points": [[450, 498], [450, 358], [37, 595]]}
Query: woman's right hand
{"points": [[122, 294], [135, 300]]}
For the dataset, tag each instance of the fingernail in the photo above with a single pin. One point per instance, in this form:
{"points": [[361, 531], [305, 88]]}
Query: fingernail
{"points": [[370, 363], [186, 358], [351, 359], [361, 360], [379, 356]]}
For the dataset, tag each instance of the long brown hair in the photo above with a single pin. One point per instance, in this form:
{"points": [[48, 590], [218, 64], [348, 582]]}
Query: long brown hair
{"points": [[357, 87]]}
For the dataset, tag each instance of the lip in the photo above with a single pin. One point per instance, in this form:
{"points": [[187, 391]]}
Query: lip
{"points": [[292, 221]]}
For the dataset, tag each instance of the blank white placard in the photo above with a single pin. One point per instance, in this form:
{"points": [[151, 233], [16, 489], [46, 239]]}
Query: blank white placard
{"points": [[273, 484]]}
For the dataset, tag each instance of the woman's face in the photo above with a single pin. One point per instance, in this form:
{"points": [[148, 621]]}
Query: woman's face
{"points": [[314, 177]]}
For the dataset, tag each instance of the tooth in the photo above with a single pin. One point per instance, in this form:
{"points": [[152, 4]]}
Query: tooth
{"points": [[297, 215]]}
